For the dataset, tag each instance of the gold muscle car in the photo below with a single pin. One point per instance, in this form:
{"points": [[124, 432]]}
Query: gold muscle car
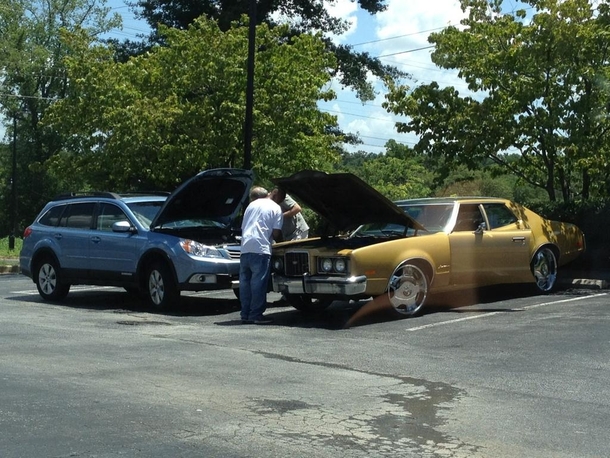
{"points": [[408, 249]]}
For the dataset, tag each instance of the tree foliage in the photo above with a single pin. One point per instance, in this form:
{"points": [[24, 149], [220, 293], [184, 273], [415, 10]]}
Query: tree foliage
{"points": [[32, 78], [304, 16], [397, 174], [539, 87], [160, 118]]}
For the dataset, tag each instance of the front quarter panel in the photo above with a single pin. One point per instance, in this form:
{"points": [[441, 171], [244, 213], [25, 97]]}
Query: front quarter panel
{"points": [[379, 261]]}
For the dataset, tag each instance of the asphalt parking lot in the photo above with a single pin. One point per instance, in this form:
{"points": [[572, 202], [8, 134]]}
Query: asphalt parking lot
{"points": [[486, 373]]}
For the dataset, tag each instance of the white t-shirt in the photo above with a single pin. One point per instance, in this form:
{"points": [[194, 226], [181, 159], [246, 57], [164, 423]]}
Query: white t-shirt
{"points": [[260, 219]]}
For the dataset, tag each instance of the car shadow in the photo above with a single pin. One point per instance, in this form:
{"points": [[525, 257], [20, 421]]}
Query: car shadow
{"points": [[340, 315], [119, 301]]}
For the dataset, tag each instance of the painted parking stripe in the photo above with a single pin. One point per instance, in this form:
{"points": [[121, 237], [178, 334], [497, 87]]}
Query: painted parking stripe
{"points": [[485, 315]]}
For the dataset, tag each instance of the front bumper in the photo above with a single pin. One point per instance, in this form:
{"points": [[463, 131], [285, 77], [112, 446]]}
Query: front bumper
{"points": [[350, 286]]}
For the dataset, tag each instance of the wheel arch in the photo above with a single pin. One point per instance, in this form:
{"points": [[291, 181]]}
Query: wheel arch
{"points": [[43, 253], [151, 257], [554, 248], [423, 264]]}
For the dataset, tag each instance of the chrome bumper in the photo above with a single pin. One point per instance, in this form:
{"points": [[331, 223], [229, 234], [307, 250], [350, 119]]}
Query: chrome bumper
{"points": [[351, 286]]}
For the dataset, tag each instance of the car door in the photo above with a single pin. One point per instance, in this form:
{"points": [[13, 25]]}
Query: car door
{"points": [[72, 236], [494, 253], [509, 242], [469, 257], [113, 254]]}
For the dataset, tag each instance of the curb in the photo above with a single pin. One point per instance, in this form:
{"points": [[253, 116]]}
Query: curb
{"points": [[587, 283], [9, 269]]}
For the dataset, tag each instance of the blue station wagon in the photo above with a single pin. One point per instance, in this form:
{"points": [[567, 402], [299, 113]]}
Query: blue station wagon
{"points": [[156, 244]]}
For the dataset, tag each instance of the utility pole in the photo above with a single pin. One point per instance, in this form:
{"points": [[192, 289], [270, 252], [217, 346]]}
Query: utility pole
{"points": [[250, 87], [11, 238]]}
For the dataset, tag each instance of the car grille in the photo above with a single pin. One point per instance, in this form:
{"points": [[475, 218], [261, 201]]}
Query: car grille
{"points": [[234, 251], [297, 263]]}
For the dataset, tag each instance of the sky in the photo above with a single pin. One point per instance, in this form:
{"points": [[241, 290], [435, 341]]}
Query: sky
{"points": [[396, 36]]}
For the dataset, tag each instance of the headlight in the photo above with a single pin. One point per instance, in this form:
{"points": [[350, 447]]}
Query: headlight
{"points": [[199, 249], [340, 265], [326, 264], [334, 265]]}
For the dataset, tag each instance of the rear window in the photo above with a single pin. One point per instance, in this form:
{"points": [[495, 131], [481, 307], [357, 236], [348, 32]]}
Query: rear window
{"points": [[51, 217], [78, 216]]}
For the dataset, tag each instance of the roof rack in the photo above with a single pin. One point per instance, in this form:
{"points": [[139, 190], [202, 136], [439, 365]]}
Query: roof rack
{"points": [[108, 195], [72, 195], [145, 193]]}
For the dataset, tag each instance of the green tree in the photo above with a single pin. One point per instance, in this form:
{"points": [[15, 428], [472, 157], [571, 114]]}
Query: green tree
{"points": [[32, 78], [306, 16], [397, 174], [159, 118], [539, 87]]}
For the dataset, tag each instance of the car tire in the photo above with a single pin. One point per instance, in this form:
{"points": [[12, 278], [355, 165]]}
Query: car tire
{"points": [[308, 304], [544, 269], [48, 281], [408, 289], [161, 289]]}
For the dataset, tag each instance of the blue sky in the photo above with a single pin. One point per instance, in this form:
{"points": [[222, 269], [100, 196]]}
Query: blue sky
{"points": [[398, 36]]}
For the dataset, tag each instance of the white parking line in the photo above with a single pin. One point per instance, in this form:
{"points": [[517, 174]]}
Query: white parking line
{"points": [[485, 315], [72, 289]]}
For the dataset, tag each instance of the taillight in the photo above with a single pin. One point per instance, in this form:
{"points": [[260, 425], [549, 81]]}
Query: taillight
{"points": [[27, 232]]}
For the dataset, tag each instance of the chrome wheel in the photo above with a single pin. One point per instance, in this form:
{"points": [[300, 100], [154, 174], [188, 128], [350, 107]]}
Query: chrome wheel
{"points": [[544, 269], [156, 288], [161, 287], [408, 289], [47, 278], [48, 281]]}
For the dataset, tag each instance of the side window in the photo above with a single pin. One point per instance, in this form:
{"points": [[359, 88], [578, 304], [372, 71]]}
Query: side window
{"points": [[499, 215], [469, 218], [109, 214], [78, 216], [51, 218]]}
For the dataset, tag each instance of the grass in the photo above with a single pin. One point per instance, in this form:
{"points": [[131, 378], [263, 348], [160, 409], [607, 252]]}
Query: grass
{"points": [[9, 256]]}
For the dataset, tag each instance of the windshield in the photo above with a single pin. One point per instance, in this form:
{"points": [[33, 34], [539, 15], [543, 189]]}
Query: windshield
{"points": [[145, 211], [434, 217], [190, 223], [383, 230]]}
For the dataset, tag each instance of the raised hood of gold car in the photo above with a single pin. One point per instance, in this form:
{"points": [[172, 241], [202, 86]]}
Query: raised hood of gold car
{"points": [[343, 199]]}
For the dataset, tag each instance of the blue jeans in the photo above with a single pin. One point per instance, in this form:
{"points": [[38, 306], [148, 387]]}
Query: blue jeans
{"points": [[254, 271]]}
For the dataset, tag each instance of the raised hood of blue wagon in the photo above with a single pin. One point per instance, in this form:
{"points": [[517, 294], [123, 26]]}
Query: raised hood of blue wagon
{"points": [[343, 199], [216, 195]]}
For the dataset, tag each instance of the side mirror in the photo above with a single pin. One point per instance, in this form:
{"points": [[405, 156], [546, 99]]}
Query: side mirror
{"points": [[123, 226], [481, 228]]}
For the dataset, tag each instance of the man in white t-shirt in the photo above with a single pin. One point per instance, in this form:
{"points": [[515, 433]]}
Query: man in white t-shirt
{"points": [[262, 223]]}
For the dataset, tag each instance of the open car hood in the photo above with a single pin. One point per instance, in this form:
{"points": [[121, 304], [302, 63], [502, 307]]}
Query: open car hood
{"points": [[343, 199], [217, 195]]}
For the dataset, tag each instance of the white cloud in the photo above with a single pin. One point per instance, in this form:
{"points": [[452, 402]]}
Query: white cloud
{"points": [[394, 35], [346, 10], [404, 17]]}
